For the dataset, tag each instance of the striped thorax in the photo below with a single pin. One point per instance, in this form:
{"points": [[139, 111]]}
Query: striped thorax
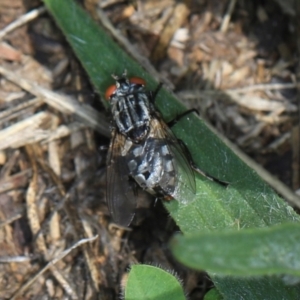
{"points": [[131, 108]]}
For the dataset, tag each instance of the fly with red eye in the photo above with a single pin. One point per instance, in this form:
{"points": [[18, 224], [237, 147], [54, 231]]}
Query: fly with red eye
{"points": [[143, 153], [131, 106]]}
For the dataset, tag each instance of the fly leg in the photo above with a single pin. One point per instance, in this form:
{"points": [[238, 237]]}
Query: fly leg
{"points": [[187, 152], [176, 119], [196, 168], [154, 93]]}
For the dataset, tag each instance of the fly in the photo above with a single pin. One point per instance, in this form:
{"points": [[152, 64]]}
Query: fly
{"points": [[143, 152]]}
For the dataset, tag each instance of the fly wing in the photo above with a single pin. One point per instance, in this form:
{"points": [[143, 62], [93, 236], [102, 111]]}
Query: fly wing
{"points": [[120, 191], [185, 175]]}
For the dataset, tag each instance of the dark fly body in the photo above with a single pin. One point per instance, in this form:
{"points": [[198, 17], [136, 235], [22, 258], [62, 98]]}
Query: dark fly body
{"points": [[143, 151]]}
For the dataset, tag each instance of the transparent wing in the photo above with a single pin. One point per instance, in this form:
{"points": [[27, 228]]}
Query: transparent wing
{"points": [[187, 177], [120, 191], [185, 174]]}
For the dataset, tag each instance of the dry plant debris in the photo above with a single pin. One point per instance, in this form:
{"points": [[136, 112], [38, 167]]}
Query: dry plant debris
{"points": [[233, 61]]}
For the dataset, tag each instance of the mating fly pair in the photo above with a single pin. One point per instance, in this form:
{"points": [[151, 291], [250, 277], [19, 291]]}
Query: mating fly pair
{"points": [[143, 152]]}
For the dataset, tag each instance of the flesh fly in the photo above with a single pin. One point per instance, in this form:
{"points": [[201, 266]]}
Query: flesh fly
{"points": [[143, 152]]}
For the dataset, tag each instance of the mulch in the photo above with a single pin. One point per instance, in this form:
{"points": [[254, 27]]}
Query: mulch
{"points": [[236, 62]]}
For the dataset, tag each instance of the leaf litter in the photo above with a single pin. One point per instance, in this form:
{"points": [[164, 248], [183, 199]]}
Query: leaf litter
{"points": [[234, 62]]}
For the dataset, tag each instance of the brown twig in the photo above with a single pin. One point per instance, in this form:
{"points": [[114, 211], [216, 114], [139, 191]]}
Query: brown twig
{"points": [[22, 20], [62, 103], [51, 264]]}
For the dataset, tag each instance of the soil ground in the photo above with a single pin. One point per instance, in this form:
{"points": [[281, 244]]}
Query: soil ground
{"points": [[52, 176]]}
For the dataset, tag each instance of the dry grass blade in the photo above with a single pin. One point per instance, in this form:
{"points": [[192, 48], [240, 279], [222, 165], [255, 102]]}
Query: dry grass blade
{"points": [[264, 87], [22, 20], [10, 220], [63, 131], [17, 110], [62, 103], [15, 259], [19, 180], [239, 97], [226, 19], [51, 264], [261, 104], [30, 130]]}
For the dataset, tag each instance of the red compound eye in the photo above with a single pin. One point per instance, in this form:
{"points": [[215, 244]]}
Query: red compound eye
{"points": [[110, 91], [137, 80]]}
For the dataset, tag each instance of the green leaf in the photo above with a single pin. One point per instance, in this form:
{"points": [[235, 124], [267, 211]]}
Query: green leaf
{"points": [[251, 252], [149, 282], [268, 288], [247, 202], [213, 294]]}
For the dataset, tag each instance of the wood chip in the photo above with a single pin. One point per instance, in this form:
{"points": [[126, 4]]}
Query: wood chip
{"points": [[178, 17], [30, 130]]}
